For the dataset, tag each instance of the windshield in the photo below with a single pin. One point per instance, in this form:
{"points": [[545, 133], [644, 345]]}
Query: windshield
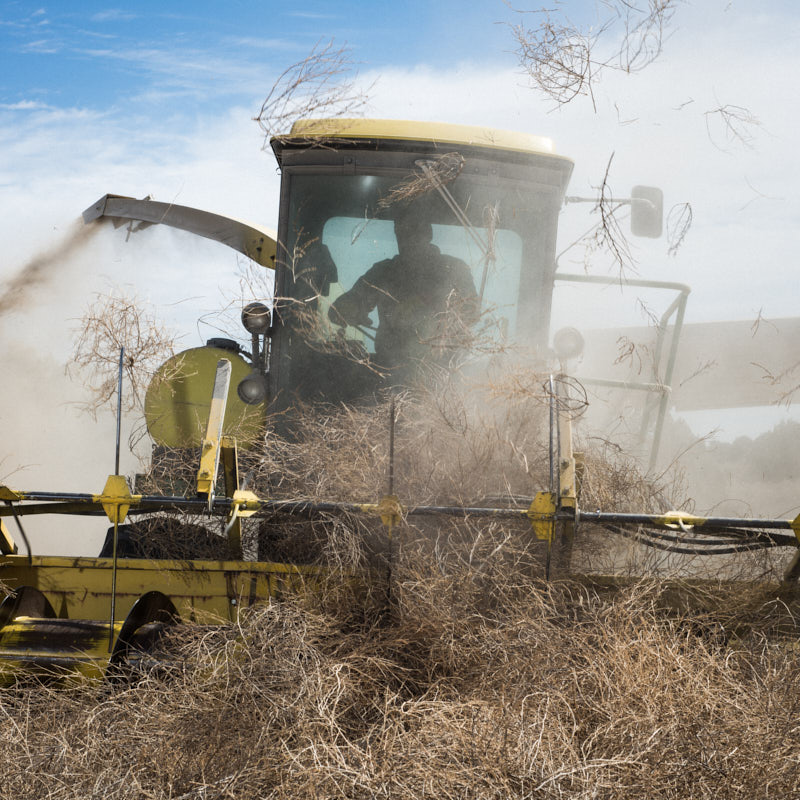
{"points": [[355, 246], [401, 272]]}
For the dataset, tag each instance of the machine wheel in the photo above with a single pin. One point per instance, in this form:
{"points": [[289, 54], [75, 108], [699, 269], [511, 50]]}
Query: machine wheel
{"points": [[25, 602], [135, 648]]}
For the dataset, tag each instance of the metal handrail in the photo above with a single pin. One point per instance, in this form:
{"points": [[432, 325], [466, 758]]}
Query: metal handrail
{"points": [[676, 308]]}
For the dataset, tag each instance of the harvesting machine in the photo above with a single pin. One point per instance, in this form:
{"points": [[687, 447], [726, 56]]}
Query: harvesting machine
{"points": [[396, 241]]}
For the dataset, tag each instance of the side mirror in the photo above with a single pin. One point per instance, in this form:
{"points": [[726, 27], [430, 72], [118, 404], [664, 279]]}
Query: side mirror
{"points": [[647, 211]]}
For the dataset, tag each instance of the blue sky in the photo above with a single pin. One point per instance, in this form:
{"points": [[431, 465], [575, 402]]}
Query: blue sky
{"points": [[158, 98], [97, 56]]}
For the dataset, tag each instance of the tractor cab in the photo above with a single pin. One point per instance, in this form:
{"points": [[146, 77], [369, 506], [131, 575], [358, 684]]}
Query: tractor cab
{"points": [[404, 250], [404, 246]]}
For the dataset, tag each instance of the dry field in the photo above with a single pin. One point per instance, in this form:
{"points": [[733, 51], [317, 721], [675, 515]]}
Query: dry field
{"points": [[476, 679]]}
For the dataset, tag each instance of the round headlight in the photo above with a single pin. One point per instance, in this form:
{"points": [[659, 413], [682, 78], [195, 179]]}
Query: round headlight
{"points": [[256, 318], [568, 343], [252, 389]]}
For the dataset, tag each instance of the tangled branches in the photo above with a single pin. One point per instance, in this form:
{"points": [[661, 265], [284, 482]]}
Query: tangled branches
{"points": [[318, 85], [482, 683], [564, 61], [429, 176], [113, 321]]}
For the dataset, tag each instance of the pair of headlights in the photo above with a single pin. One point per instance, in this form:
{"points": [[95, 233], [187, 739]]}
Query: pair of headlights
{"points": [[253, 389]]}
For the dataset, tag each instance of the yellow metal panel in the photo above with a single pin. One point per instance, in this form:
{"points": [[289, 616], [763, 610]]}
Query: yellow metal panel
{"points": [[7, 544], [116, 498], [55, 647], [246, 503], [679, 520], [209, 456], [472, 135], [254, 241], [542, 515], [179, 398], [80, 588]]}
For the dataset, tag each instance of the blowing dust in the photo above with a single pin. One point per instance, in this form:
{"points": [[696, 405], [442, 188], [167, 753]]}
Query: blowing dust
{"points": [[48, 442], [35, 276]]}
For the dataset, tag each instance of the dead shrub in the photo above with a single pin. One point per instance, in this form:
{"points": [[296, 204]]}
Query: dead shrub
{"points": [[557, 690]]}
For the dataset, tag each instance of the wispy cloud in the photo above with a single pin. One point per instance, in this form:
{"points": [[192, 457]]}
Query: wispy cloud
{"points": [[265, 44], [42, 46], [97, 34], [24, 105], [311, 15], [190, 72], [113, 15], [206, 67]]}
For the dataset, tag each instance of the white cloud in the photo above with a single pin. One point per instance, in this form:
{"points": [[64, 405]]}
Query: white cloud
{"points": [[167, 71], [48, 46], [113, 15], [259, 43], [310, 15], [24, 105]]}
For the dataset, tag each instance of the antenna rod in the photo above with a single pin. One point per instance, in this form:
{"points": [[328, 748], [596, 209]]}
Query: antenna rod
{"points": [[119, 409], [554, 445], [392, 421], [116, 517]]}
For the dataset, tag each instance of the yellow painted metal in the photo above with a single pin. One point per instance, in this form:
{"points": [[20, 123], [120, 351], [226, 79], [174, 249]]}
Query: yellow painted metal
{"points": [[80, 588], [230, 469], [229, 452], [796, 527], [254, 241], [210, 449], [9, 494], [408, 130], [541, 513], [567, 480], [243, 504], [177, 403], [7, 544], [116, 498], [55, 647], [390, 510], [246, 503], [679, 520]]}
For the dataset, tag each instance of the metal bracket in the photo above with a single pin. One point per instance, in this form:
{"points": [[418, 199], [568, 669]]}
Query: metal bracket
{"points": [[390, 510], [542, 514], [116, 498], [210, 450]]}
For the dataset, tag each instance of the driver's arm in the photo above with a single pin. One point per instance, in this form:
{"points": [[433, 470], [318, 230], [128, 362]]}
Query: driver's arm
{"points": [[354, 307], [468, 308]]}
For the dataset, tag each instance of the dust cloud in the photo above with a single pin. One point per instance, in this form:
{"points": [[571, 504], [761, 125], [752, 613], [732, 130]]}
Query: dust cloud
{"points": [[33, 277], [49, 443]]}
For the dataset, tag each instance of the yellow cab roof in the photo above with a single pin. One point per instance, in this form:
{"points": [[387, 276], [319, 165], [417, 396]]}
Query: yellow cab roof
{"points": [[409, 130]]}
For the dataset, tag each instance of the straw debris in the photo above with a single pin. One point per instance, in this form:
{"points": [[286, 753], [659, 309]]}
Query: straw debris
{"points": [[438, 663], [490, 686]]}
